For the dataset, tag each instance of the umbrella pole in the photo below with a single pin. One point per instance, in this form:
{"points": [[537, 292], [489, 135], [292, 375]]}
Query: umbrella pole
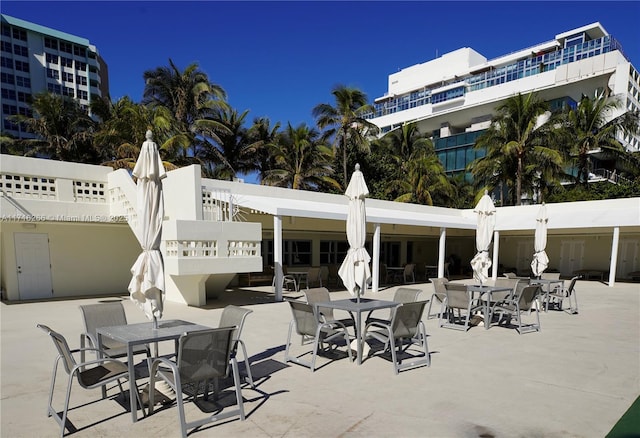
{"points": [[155, 322]]}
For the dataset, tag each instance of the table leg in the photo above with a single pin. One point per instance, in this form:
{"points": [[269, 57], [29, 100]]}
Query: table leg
{"points": [[487, 310], [132, 384], [359, 336]]}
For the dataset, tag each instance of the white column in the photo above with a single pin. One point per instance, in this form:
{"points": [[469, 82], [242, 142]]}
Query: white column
{"points": [[496, 249], [614, 257], [277, 256], [376, 258], [442, 247]]}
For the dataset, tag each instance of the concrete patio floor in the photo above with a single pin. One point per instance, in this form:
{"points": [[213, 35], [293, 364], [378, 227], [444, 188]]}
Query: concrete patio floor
{"points": [[575, 378]]}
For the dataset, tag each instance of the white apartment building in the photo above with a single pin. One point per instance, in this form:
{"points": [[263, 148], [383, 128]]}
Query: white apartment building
{"points": [[454, 96], [35, 58]]}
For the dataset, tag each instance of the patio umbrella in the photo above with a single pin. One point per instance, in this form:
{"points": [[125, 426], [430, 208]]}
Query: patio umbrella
{"points": [[355, 271], [540, 260], [486, 223], [147, 283]]}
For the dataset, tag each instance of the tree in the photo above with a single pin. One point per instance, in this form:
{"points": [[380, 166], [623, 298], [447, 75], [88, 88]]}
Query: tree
{"points": [[302, 160], [194, 101], [63, 130], [419, 174], [517, 131], [345, 122], [261, 135], [590, 127]]}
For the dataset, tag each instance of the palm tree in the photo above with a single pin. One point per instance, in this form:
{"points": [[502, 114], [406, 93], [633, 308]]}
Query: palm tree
{"points": [[345, 122], [517, 130], [123, 128], [590, 127], [302, 160], [234, 151], [193, 100], [261, 134], [419, 175], [63, 129]]}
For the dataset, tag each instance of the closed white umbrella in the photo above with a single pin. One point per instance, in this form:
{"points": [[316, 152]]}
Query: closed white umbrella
{"points": [[147, 283], [481, 262], [540, 260], [354, 271]]}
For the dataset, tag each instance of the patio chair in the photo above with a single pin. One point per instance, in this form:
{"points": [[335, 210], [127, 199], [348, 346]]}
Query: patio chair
{"points": [[308, 324], [90, 375], [525, 301], [460, 300], [556, 297], [203, 356], [234, 316], [401, 295], [409, 275], [105, 315], [439, 294], [322, 295], [288, 281], [314, 277], [404, 330]]}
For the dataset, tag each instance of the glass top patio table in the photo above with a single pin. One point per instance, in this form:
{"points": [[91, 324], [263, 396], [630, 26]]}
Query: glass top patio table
{"points": [[144, 333], [353, 306], [487, 290]]}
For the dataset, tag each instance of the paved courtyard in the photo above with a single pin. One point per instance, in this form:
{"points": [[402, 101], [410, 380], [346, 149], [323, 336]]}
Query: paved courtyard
{"points": [[575, 378]]}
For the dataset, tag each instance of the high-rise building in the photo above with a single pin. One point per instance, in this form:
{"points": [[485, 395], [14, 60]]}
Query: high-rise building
{"points": [[35, 58], [454, 96]]}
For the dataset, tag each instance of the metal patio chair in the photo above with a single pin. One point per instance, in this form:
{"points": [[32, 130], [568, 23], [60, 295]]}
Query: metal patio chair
{"points": [[234, 316], [90, 374], [403, 331], [523, 302], [203, 356], [313, 329], [556, 297]]}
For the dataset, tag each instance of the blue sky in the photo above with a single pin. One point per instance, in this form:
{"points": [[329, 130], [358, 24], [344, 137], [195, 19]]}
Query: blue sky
{"points": [[280, 59]]}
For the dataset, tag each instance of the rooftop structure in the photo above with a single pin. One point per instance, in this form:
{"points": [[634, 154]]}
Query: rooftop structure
{"points": [[454, 96], [36, 59]]}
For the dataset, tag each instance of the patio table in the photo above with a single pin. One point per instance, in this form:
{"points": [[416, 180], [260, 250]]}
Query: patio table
{"points": [[299, 275], [354, 307], [488, 291], [546, 282], [144, 333]]}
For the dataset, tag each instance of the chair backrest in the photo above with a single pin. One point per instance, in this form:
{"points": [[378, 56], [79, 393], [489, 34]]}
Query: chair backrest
{"points": [[550, 276], [313, 275], [204, 354], [572, 284], [408, 268], [102, 315], [62, 346], [527, 296], [406, 295], [319, 295], [507, 282], [324, 274], [305, 319], [510, 275], [406, 319], [439, 286], [234, 316], [457, 298]]}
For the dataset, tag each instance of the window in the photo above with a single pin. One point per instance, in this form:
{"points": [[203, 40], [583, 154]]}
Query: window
{"points": [[7, 78], [8, 94], [22, 81], [23, 97], [6, 31], [54, 88], [27, 112], [83, 95], [9, 109], [5, 46], [66, 62], [19, 34], [81, 80], [22, 66], [50, 43], [333, 252], [68, 92], [79, 51], [81, 66], [53, 74], [51, 58], [66, 47], [6, 62], [67, 77], [20, 50]]}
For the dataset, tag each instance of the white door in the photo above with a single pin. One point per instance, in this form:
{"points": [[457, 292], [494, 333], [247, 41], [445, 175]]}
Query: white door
{"points": [[627, 257], [525, 254], [571, 256], [34, 265]]}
